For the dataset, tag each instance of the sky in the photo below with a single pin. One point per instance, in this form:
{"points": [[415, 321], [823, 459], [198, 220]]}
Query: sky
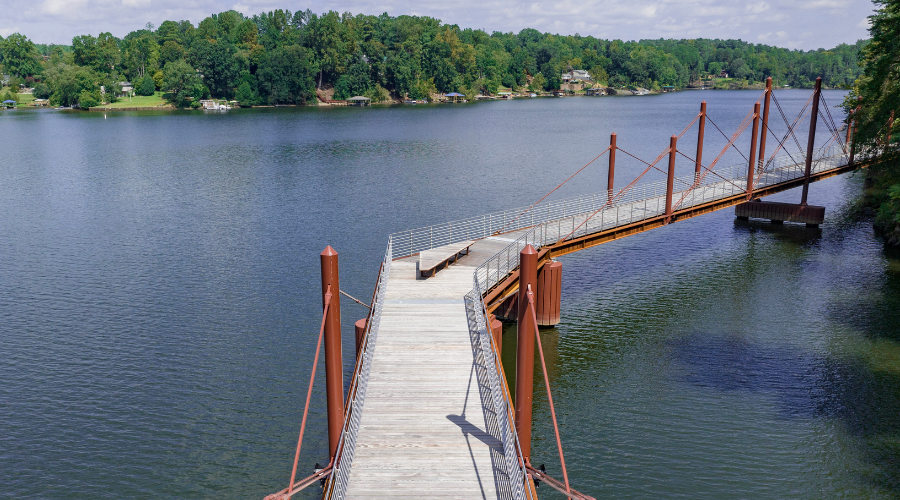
{"points": [[795, 24]]}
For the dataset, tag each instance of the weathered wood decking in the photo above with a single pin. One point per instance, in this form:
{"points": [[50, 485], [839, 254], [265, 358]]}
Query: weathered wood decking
{"points": [[427, 430]]}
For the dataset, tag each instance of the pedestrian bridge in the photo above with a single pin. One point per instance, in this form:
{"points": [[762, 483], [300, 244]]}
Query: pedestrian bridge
{"points": [[428, 412]]}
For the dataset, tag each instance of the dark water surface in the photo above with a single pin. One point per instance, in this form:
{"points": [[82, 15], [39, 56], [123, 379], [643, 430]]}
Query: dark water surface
{"points": [[159, 277]]}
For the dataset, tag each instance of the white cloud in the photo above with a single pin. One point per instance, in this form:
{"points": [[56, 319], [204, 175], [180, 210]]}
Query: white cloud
{"points": [[5, 32], [758, 7], [57, 21]]}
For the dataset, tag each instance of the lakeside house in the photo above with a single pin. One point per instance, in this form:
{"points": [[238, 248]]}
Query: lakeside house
{"points": [[126, 89], [576, 75], [9, 103]]}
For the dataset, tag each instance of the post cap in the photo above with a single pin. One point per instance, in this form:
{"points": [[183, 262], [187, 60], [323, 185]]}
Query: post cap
{"points": [[328, 252], [528, 250]]}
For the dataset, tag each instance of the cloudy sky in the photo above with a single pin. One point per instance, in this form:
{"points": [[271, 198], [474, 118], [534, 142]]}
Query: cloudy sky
{"points": [[800, 24]]}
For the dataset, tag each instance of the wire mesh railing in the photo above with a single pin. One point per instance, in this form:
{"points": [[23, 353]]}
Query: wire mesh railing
{"points": [[515, 471], [337, 487], [413, 241], [544, 224], [647, 201]]}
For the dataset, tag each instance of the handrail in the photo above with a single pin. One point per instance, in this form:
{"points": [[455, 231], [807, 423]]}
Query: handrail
{"points": [[544, 227], [356, 396], [512, 451], [413, 241], [645, 202]]}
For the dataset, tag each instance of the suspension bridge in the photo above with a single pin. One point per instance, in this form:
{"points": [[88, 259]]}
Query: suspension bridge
{"points": [[428, 413]]}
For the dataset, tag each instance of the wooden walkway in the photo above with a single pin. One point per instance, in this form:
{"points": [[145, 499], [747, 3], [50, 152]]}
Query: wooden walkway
{"points": [[427, 429]]}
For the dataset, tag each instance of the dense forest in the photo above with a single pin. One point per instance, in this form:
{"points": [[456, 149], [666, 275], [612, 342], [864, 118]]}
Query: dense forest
{"points": [[873, 105], [280, 57]]}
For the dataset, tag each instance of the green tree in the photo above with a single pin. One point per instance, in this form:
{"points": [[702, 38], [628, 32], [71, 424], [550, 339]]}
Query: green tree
{"points": [[288, 77], [218, 66], [537, 83], [146, 87], [245, 95], [874, 103], [356, 81], [88, 99], [179, 82], [68, 82], [19, 55]]}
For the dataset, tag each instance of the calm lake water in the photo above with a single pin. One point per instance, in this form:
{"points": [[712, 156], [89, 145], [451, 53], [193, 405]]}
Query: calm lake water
{"points": [[161, 301]]}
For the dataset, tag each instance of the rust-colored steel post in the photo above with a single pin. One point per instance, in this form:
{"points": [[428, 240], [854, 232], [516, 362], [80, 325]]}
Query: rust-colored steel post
{"points": [[764, 131], [701, 128], [334, 370], [496, 327], [810, 144], [751, 168], [550, 290], [670, 182], [611, 175], [360, 330], [528, 260]]}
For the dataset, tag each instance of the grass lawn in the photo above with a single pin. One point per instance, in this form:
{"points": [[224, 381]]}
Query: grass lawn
{"points": [[23, 99], [138, 101]]}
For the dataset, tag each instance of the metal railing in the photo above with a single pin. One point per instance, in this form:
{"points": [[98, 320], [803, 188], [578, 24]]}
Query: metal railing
{"points": [[647, 201], [545, 223], [413, 241], [512, 450], [337, 486]]}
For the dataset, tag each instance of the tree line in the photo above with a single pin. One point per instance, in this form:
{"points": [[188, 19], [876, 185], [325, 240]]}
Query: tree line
{"points": [[280, 57], [873, 110]]}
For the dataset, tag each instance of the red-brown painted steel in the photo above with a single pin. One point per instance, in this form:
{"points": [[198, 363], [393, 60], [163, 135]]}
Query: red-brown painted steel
{"points": [[312, 380], [611, 175], [537, 336], [814, 117], [670, 182], [764, 131], [700, 130], [751, 167], [496, 331], [360, 330], [528, 260], [334, 370], [549, 286]]}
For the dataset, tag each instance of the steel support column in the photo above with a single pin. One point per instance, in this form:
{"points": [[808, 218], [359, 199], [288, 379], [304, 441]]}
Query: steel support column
{"points": [[528, 260], [764, 131], [334, 370], [670, 182], [611, 175], [360, 330], [700, 130], [751, 167], [810, 144]]}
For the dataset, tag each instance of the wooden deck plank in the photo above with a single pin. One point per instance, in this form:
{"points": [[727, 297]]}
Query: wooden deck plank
{"points": [[423, 430]]}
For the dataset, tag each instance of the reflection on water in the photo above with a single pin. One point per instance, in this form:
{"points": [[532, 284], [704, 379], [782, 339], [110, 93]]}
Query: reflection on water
{"points": [[762, 361], [160, 272]]}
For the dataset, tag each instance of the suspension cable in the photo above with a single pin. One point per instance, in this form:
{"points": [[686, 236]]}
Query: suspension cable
{"points": [[552, 190], [537, 335], [312, 379], [726, 137], [345, 294]]}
